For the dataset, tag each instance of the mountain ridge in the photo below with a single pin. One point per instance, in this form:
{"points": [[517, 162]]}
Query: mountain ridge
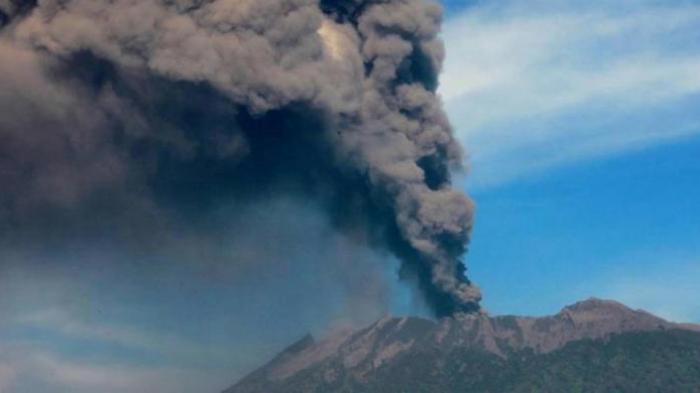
{"points": [[354, 356]]}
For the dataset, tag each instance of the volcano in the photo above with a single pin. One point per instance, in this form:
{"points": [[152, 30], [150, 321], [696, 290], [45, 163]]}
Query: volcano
{"points": [[591, 346]]}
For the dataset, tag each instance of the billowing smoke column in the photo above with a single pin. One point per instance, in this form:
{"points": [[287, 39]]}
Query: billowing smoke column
{"points": [[122, 117]]}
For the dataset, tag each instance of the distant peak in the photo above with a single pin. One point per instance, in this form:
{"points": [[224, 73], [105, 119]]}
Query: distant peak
{"points": [[593, 303]]}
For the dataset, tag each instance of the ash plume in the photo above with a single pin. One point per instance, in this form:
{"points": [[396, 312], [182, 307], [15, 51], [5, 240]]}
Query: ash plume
{"points": [[122, 118]]}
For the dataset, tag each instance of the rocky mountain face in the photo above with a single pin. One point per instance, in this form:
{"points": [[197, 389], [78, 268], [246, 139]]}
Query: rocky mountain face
{"points": [[591, 346]]}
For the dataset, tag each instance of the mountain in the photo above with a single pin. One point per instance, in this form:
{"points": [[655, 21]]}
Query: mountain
{"points": [[591, 346]]}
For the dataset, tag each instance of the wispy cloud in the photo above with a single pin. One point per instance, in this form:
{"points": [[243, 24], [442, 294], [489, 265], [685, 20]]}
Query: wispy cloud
{"points": [[73, 327], [60, 321], [87, 356], [8, 375], [532, 85], [26, 369]]}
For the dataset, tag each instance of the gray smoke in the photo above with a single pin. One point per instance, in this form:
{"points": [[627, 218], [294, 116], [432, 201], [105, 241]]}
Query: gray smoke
{"points": [[123, 117]]}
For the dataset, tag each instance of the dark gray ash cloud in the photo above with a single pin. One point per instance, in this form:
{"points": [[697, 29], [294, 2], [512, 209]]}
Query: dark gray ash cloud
{"points": [[123, 119]]}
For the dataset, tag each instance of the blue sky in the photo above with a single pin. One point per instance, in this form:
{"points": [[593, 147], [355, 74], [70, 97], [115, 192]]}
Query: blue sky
{"points": [[582, 134]]}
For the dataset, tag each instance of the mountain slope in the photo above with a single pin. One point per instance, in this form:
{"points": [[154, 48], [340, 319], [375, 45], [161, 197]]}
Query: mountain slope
{"points": [[591, 346]]}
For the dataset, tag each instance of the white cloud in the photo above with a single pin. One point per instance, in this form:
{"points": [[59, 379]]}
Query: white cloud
{"points": [[530, 86]]}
